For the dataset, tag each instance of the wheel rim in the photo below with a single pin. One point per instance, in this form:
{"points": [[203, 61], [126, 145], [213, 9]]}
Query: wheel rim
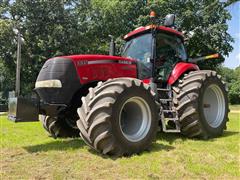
{"points": [[135, 119], [214, 105]]}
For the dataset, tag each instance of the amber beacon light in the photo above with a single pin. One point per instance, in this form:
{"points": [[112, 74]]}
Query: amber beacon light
{"points": [[152, 14]]}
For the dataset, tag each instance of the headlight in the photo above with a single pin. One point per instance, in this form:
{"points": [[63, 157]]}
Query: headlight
{"points": [[53, 83]]}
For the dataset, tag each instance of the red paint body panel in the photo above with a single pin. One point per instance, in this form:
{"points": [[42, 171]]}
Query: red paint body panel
{"points": [[180, 69], [146, 81], [103, 72], [96, 57], [102, 67], [147, 28]]}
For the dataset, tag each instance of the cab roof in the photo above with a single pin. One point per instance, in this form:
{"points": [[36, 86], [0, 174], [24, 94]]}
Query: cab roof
{"points": [[142, 30]]}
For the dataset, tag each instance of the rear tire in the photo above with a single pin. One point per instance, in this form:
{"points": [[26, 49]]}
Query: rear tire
{"points": [[119, 117], [201, 102], [58, 128]]}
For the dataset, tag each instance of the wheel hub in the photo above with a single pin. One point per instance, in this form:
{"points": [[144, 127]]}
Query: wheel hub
{"points": [[214, 105], [135, 119]]}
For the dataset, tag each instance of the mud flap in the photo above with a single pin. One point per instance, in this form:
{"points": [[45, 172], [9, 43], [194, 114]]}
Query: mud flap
{"points": [[23, 109]]}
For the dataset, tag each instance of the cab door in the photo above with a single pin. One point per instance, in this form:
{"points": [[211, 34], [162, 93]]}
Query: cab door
{"points": [[169, 51]]}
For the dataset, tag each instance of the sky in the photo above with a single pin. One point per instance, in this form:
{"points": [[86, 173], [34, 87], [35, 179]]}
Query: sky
{"points": [[233, 60]]}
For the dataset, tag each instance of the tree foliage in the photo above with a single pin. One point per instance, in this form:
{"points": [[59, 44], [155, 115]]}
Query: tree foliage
{"points": [[52, 28], [234, 93], [232, 77]]}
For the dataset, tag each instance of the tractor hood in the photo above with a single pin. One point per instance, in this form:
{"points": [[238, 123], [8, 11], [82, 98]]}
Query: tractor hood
{"points": [[99, 59], [61, 77], [92, 68]]}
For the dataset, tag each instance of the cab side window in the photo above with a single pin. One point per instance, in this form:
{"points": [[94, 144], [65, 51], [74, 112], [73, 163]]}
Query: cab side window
{"points": [[169, 51], [180, 50], [170, 47]]}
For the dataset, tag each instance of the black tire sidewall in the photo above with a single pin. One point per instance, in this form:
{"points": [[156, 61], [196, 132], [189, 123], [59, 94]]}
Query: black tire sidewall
{"points": [[117, 133], [65, 129], [209, 130]]}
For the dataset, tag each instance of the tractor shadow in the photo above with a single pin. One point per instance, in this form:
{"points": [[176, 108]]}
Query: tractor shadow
{"points": [[57, 145], [229, 133], [170, 137], [225, 134], [157, 146], [66, 144]]}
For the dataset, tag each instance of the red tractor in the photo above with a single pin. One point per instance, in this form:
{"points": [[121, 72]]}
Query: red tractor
{"points": [[118, 103]]}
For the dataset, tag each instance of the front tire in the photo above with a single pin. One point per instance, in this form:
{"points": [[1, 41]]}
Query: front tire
{"points": [[58, 128], [119, 117], [201, 102]]}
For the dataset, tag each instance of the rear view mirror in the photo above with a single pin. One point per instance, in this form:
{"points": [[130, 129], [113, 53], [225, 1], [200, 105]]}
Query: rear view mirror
{"points": [[169, 20]]}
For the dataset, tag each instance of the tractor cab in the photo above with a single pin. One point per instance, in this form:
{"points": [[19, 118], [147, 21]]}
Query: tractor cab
{"points": [[157, 49]]}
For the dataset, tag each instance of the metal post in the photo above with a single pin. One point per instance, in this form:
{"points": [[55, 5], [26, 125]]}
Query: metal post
{"points": [[18, 67], [112, 46]]}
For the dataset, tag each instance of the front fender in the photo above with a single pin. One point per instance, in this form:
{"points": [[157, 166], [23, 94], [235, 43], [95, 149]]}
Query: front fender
{"points": [[179, 69]]}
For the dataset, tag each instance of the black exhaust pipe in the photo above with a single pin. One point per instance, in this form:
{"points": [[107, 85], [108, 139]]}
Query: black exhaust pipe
{"points": [[112, 46]]}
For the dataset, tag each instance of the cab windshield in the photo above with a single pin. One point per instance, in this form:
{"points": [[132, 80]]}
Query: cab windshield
{"points": [[139, 48]]}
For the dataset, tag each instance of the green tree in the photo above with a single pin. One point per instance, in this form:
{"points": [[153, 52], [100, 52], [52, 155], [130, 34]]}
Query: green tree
{"points": [[232, 78], [50, 28], [236, 73], [227, 74], [234, 92]]}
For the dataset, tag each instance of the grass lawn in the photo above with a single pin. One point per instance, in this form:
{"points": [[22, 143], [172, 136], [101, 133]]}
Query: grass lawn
{"points": [[27, 152]]}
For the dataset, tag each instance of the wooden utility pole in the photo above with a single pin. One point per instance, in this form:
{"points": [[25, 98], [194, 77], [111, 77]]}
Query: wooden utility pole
{"points": [[18, 67]]}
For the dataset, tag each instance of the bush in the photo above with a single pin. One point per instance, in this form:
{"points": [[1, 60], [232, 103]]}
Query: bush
{"points": [[234, 92], [232, 78]]}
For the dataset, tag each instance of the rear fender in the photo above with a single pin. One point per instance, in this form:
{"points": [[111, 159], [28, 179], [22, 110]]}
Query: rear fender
{"points": [[179, 69]]}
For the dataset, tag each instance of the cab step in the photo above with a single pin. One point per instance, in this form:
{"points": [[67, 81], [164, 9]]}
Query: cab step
{"points": [[164, 101], [168, 113], [161, 89]]}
